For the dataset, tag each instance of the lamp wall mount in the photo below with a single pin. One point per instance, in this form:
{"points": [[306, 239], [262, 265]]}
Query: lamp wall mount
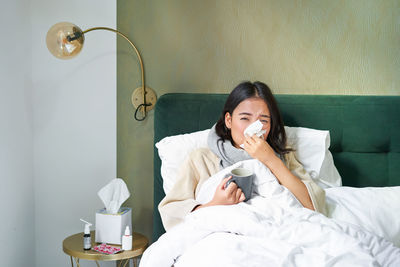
{"points": [[137, 98], [137, 101]]}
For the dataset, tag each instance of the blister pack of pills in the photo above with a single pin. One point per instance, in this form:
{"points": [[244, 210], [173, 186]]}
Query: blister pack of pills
{"points": [[107, 249]]}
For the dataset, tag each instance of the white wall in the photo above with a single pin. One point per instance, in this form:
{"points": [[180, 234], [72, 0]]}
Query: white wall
{"points": [[74, 133], [16, 177]]}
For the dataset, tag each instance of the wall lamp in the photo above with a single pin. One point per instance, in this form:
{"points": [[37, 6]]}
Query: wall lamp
{"points": [[65, 40]]}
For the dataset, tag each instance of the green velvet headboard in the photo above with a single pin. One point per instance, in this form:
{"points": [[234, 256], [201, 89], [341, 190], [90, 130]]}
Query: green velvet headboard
{"points": [[364, 130]]}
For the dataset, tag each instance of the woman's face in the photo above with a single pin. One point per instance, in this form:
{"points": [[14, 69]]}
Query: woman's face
{"points": [[247, 112]]}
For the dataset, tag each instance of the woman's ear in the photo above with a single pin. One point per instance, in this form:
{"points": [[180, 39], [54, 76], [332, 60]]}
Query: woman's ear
{"points": [[228, 120]]}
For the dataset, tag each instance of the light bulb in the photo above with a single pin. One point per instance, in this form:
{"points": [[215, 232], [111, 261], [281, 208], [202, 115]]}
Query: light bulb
{"points": [[65, 40]]}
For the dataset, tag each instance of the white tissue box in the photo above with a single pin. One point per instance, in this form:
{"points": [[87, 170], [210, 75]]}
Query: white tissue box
{"points": [[111, 227]]}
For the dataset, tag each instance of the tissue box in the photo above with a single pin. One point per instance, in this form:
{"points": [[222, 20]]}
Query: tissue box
{"points": [[111, 227]]}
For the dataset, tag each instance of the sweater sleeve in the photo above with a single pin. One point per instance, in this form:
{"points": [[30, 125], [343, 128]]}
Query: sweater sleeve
{"points": [[317, 194], [180, 201]]}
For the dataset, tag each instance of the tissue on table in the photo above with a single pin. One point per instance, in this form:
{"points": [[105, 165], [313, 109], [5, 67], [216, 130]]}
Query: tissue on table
{"points": [[114, 194], [254, 129], [112, 220]]}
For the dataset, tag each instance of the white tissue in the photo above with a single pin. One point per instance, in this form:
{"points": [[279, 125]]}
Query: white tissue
{"points": [[113, 195], [254, 129]]}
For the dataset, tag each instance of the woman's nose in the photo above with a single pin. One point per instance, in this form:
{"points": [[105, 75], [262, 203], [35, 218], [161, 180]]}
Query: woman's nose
{"points": [[254, 120]]}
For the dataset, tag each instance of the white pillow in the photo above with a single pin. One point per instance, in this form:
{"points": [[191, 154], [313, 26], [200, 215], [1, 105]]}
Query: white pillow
{"points": [[311, 150], [376, 209], [173, 150]]}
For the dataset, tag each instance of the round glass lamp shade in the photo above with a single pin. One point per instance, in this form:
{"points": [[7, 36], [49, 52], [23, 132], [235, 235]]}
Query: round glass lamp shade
{"points": [[65, 40]]}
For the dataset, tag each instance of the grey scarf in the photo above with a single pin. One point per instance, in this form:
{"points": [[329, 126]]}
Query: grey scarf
{"points": [[228, 154]]}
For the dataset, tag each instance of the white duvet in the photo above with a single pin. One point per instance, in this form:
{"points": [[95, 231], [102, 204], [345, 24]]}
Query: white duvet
{"points": [[271, 229]]}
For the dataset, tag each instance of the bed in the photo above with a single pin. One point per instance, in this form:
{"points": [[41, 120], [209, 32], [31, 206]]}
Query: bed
{"points": [[364, 133]]}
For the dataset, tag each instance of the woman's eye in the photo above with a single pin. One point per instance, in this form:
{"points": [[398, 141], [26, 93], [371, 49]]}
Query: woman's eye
{"points": [[265, 122], [245, 119]]}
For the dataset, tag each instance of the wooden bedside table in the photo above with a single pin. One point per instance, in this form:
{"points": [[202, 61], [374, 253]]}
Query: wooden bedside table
{"points": [[73, 246]]}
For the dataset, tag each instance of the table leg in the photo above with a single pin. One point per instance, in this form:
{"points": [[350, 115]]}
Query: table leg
{"points": [[98, 265], [126, 262], [121, 261], [77, 262]]}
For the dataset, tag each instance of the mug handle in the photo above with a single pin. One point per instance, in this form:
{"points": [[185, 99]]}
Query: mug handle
{"points": [[229, 181]]}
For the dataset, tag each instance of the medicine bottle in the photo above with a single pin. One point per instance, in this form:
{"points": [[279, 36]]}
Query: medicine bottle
{"points": [[87, 240], [127, 240]]}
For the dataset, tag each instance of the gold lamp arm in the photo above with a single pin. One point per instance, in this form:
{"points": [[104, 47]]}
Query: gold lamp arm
{"points": [[144, 105]]}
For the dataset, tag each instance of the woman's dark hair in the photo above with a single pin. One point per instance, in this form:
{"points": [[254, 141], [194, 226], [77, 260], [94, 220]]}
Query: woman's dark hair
{"points": [[245, 90]]}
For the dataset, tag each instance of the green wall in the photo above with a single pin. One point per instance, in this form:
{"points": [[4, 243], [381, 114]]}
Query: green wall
{"points": [[296, 47]]}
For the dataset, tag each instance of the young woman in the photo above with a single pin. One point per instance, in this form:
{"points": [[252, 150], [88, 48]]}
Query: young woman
{"points": [[247, 103]]}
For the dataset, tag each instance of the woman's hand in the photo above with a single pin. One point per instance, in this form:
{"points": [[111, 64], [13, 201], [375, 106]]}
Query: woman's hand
{"points": [[225, 196], [259, 149]]}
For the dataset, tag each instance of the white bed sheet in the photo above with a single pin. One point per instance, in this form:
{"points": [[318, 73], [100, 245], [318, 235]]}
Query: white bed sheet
{"points": [[272, 229], [376, 209]]}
